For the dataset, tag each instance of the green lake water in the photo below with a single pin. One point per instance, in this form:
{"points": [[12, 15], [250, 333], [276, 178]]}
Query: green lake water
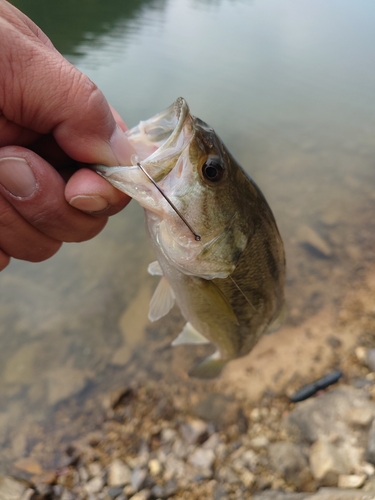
{"points": [[289, 86]]}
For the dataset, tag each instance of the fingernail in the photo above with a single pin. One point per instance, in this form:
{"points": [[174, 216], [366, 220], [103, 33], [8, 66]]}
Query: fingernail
{"points": [[17, 177], [121, 147], [87, 203]]}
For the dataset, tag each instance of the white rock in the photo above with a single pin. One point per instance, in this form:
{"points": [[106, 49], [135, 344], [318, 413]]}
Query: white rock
{"points": [[351, 480], [327, 463], [202, 458], [94, 485], [259, 442], [154, 466], [119, 473]]}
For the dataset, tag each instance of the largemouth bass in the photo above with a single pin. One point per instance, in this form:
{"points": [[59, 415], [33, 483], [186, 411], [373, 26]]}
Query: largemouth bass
{"points": [[219, 252]]}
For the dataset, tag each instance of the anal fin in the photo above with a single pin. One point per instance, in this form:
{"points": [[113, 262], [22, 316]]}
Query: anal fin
{"points": [[189, 335]]}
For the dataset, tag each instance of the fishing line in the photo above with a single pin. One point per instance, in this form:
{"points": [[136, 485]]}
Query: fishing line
{"points": [[239, 289], [196, 236]]}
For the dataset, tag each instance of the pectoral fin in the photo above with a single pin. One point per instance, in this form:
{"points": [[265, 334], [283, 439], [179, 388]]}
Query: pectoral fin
{"points": [[211, 367], [189, 335], [154, 269], [162, 301]]}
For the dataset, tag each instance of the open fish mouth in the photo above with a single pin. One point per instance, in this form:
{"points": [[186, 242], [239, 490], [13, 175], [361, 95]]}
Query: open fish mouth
{"points": [[160, 140]]}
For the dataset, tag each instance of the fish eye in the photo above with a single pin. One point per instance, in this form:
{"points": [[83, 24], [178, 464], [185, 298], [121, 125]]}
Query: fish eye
{"points": [[212, 170]]}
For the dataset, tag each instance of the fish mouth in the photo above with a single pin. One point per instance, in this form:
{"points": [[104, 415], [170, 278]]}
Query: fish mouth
{"points": [[160, 140]]}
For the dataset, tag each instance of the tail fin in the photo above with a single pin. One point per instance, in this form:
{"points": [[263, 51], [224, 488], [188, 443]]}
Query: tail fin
{"points": [[209, 368]]}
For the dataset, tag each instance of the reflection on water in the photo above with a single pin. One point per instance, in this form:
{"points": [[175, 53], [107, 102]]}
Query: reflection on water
{"points": [[289, 87]]}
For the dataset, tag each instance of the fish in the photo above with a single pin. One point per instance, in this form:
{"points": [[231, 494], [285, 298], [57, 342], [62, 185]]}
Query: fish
{"points": [[219, 252]]}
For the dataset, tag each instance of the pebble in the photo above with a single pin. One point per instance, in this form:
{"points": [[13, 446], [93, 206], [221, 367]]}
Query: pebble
{"points": [[94, 485], [10, 489], [259, 442], [327, 463], [288, 459], [202, 458], [119, 473], [195, 431], [351, 481], [138, 478]]}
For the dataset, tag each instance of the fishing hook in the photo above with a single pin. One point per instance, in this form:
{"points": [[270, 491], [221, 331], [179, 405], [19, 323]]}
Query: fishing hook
{"points": [[196, 236]]}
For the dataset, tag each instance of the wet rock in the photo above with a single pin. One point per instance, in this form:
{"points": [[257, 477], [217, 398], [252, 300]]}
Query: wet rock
{"points": [[327, 462], [327, 414], [11, 489], [218, 409], [195, 431], [119, 473], [288, 459]]}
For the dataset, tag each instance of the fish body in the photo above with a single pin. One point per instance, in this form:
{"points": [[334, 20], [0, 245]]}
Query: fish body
{"points": [[222, 259]]}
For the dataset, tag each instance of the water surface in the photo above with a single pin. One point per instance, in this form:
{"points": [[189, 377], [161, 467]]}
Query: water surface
{"points": [[289, 87]]}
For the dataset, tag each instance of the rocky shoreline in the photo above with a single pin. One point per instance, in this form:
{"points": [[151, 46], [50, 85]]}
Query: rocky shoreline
{"points": [[161, 438], [319, 449]]}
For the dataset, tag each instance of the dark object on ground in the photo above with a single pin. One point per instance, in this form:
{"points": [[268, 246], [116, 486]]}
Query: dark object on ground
{"points": [[310, 389]]}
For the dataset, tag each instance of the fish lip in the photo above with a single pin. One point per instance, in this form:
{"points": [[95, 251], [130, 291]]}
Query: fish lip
{"points": [[155, 163]]}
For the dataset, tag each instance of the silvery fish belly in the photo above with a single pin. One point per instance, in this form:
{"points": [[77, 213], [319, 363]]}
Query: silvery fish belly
{"points": [[219, 252]]}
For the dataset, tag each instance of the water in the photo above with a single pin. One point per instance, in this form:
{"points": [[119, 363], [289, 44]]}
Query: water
{"points": [[289, 87]]}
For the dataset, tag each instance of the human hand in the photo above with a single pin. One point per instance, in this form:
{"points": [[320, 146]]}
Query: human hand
{"points": [[52, 119]]}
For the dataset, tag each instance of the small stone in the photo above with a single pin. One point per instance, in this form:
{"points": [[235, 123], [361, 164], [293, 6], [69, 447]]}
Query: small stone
{"points": [[154, 466], [326, 462], [94, 485], [95, 469], [142, 495], [247, 478], [255, 415], [29, 465], [212, 442], [114, 491], [119, 473], [360, 352], [288, 459], [219, 409], [138, 478], [259, 442], [361, 417], [168, 435], [202, 458], [11, 489], [351, 481], [195, 431]]}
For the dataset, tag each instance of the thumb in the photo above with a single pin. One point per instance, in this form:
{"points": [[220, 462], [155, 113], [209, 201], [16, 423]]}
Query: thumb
{"points": [[44, 93]]}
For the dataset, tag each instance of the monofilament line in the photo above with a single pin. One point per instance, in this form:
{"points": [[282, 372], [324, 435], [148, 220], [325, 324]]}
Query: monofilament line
{"points": [[196, 236], [239, 289]]}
